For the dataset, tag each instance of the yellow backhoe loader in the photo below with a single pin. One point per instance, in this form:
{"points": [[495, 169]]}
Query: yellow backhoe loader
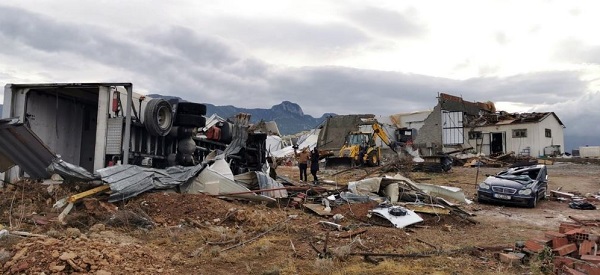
{"points": [[361, 148]]}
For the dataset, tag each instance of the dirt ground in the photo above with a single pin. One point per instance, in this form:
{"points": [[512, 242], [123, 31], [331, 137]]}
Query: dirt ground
{"points": [[170, 233]]}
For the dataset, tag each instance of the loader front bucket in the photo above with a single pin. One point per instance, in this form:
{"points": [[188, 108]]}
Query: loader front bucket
{"points": [[339, 162]]}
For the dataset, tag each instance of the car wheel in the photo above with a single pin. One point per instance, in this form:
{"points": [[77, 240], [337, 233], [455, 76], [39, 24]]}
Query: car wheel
{"points": [[544, 196], [533, 202], [480, 199]]}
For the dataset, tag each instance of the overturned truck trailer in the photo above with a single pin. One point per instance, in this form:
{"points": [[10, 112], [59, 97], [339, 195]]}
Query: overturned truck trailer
{"points": [[94, 125]]}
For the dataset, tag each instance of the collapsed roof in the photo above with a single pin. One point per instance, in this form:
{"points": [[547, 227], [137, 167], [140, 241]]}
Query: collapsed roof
{"points": [[504, 118]]}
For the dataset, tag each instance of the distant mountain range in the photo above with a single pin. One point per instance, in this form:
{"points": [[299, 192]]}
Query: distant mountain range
{"points": [[291, 119], [289, 116]]}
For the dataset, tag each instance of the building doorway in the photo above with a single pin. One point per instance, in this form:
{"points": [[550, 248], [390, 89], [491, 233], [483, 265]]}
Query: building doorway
{"points": [[497, 143]]}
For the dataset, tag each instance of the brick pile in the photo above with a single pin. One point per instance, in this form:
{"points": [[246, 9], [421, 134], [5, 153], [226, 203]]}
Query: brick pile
{"points": [[575, 250]]}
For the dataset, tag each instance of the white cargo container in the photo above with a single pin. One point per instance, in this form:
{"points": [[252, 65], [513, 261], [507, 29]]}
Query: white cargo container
{"points": [[589, 152]]}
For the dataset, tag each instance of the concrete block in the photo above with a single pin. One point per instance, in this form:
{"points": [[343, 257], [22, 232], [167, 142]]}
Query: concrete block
{"points": [[566, 249]]}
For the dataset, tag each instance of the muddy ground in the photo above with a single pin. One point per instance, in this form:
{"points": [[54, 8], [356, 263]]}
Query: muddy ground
{"points": [[170, 233]]}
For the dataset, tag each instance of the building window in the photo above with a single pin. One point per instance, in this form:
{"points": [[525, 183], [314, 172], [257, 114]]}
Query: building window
{"points": [[452, 128], [548, 133], [475, 135], [519, 133]]}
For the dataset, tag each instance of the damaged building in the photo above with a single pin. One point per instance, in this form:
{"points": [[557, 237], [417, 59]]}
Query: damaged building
{"points": [[456, 124], [526, 134]]}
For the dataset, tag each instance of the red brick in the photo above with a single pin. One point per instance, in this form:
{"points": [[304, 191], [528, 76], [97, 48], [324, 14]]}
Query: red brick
{"points": [[591, 258], [571, 271], [575, 231], [554, 234], [586, 247], [560, 261], [590, 269], [566, 249], [578, 237], [533, 246], [558, 242], [543, 241], [565, 226]]}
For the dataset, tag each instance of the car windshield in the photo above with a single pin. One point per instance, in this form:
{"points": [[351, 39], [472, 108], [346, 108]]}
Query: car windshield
{"points": [[522, 179]]}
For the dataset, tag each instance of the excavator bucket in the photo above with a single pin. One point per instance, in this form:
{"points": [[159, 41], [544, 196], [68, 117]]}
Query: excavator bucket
{"points": [[339, 162]]}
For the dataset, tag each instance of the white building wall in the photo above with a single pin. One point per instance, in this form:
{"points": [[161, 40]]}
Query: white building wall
{"points": [[535, 141], [557, 131], [407, 120]]}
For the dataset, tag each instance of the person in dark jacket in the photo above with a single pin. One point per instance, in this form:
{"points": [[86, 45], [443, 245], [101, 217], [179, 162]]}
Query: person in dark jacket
{"points": [[314, 164]]}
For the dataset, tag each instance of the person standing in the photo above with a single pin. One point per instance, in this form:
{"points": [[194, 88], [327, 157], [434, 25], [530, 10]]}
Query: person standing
{"points": [[302, 162], [314, 164]]}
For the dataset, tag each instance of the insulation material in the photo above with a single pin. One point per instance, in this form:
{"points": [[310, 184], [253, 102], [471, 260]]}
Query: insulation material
{"points": [[309, 140], [226, 186]]}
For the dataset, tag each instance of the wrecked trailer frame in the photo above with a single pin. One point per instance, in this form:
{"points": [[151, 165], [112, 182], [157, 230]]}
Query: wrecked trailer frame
{"points": [[97, 131]]}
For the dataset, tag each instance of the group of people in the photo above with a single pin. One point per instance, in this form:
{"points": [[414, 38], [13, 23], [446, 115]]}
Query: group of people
{"points": [[304, 157]]}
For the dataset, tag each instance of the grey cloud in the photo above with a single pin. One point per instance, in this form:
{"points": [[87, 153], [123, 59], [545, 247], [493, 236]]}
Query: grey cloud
{"points": [[180, 62], [291, 35], [168, 60], [532, 88], [388, 22]]}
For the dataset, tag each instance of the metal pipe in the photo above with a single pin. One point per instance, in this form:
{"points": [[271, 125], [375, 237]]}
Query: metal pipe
{"points": [[126, 140]]}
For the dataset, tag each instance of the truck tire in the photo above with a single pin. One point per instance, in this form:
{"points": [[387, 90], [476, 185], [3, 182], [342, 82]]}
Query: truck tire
{"points": [[189, 120], [158, 117], [191, 108], [226, 133]]}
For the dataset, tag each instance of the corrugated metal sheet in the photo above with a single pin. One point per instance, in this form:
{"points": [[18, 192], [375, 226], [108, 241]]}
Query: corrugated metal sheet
{"points": [[20, 146], [128, 181]]}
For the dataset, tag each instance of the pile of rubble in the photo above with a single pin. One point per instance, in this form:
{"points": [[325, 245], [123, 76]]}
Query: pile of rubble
{"points": [[571, 250], [98, 252]]}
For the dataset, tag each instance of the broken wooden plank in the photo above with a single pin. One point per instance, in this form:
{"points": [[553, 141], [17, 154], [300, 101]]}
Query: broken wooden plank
{"points": [[561, 194], [428, 208], [87, 193]]}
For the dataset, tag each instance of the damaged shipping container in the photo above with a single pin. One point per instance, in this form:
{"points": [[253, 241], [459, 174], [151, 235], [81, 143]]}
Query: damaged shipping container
{"points": [[95, 125]]}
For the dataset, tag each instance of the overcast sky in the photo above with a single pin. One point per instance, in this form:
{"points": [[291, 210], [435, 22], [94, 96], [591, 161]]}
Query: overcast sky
{"points": [[380, 57]]}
